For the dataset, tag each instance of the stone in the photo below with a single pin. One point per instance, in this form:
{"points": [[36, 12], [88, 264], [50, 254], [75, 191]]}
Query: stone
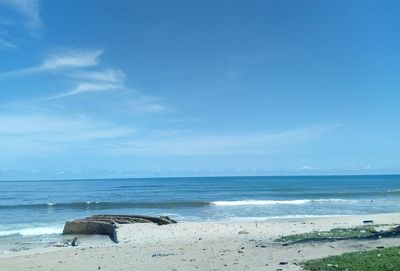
{"points": [[74, 242]]}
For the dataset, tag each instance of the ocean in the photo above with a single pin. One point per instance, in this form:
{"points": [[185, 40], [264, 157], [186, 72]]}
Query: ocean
{"points": [[40, 208]]}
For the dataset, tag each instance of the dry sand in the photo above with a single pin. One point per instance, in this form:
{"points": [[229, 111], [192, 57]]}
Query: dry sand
{"points": [[201, 246]]}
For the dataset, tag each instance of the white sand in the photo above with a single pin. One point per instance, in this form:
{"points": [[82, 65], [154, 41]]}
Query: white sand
{"points": [[201, 246]]}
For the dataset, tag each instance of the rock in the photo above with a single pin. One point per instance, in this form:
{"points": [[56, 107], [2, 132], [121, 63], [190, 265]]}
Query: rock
{"points": [[283, 263], [107, 224], [74, 242], [243, 232], [368, 221]]}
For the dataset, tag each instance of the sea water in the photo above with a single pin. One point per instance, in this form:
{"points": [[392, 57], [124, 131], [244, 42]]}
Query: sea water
{"points": [[39, 208]]}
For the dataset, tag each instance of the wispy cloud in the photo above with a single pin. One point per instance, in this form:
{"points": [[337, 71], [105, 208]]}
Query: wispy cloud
{"points": [[7, 44], [107, 75], [30, 9], [71, 59], [148, 104], [94, 81], [65, 60], [153, 108], [24, 129], [85, 88], [40, 134], [257, 143], [21, 133], [93, 87], [87, 75], [307, 167]]}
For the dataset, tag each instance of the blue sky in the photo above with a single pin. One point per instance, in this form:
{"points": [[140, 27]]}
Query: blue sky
{"points": [[99, 88]]}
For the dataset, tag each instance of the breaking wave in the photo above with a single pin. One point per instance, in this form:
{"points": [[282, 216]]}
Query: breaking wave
{"points": [[32, 231], [273, 202]]}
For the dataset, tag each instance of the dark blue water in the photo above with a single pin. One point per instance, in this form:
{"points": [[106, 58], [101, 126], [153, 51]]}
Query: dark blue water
{"points": [[42, 207]]}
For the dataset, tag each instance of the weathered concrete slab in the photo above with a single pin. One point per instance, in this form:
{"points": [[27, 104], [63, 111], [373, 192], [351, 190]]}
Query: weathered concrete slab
{"points": [[107, 224]]}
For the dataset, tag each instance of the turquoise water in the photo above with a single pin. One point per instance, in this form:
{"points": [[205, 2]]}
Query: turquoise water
{"points": [[41, 207]]}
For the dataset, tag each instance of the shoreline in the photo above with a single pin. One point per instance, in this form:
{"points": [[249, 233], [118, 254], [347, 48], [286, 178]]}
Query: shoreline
{"points": [[228, 245]]}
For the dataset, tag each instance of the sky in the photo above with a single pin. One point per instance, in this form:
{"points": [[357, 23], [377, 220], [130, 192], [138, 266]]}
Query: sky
{"points": [[147, 88]]}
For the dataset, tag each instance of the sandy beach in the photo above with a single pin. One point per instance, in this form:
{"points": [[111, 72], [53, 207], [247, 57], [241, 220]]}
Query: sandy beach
{"points": [[232, 245]]}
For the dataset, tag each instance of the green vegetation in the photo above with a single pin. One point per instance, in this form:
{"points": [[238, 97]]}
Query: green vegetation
{"points": [[386, 259], [362, 232]]}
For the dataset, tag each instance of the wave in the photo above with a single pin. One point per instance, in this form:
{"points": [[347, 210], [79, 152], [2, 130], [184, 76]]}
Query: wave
{"points": [[32, 231], [96, 205], [88, 205], [394, 191], [274, 202]]}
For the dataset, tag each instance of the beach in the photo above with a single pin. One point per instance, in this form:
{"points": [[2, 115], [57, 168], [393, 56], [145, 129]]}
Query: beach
{"points": [[229, 245], [199, 135]]}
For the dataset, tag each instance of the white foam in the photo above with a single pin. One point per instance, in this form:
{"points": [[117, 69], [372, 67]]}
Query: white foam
{"points": [[336, 200], [273, 202], [257, 202], [32, 231]]}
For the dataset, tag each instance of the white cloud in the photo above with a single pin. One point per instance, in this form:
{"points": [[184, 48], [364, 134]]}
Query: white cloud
{"points": [[37, 132], [93, 87], [153, 108], [47, 128], [28, 8], [95, 81], [224, 144], [7, 44], [85, 88], [307, 167], [67, 59], [39, 135], [107, 75], [79, 66], [71, 59], [148, 104]]}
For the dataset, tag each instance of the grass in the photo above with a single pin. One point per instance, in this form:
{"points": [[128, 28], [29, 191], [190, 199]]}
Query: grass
{"points": [[386, 259], [362, 232]]}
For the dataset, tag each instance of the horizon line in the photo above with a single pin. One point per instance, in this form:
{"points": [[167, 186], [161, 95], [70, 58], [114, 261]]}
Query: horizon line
{"points": [[198, 177]]}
